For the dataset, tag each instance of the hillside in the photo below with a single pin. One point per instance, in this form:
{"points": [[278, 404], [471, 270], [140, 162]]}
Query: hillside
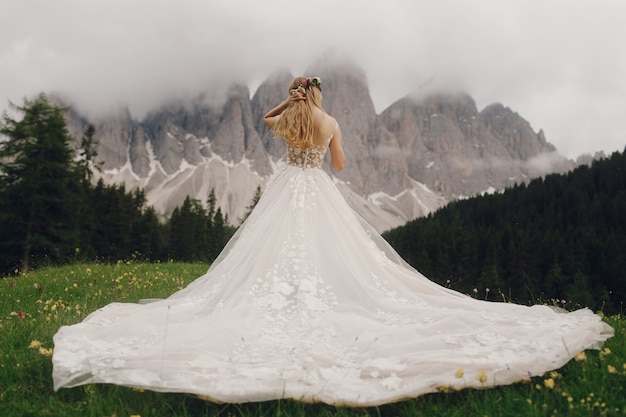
{"points": [[558, 239]]}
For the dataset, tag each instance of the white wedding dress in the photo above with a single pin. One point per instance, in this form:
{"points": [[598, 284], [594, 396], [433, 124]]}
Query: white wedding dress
{"points": [[308, 302]]}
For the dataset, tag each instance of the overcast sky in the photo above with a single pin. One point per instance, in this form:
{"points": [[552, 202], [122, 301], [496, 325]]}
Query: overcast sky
{"points": [[561, 64]]}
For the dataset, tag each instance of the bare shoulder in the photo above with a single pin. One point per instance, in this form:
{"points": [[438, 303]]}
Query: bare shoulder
{"points": [[333, 126], [328, 122], [325, 123], [332, 122]]}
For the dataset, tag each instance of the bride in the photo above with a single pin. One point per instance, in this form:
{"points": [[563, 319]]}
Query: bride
{"points": [[308, 302]]}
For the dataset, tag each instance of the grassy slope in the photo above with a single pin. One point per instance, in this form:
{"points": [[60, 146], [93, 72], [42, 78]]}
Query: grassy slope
{"points": [[34, 306]]}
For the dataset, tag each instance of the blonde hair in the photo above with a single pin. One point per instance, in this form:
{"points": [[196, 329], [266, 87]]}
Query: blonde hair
{"points": [[295, 124]]}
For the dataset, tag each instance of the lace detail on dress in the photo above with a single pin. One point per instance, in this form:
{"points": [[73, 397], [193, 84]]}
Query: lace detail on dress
{"points": [[293, 288], [308, 157]]}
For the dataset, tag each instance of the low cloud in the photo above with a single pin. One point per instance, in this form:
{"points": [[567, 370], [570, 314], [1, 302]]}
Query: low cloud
{"points": [[545, 163], [538, 165], [567, 81]]}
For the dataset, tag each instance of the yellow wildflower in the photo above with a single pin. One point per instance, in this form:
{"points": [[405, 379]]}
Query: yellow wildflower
{"points": [[606, 351], [443, 388], [481, 376], [548, 383], [570, 399], [611, 369], [45, 351], [581, 356], [35, 344], [459, 373]]}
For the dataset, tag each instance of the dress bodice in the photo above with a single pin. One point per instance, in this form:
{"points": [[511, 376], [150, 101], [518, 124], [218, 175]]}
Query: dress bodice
{"points": [[307, 157]]}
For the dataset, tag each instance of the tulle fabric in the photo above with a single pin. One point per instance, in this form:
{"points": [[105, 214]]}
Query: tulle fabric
{"points": [[308, 302]]}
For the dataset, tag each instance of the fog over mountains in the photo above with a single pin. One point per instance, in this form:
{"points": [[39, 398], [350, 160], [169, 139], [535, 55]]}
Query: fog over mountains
{"points": [[421, 152]]}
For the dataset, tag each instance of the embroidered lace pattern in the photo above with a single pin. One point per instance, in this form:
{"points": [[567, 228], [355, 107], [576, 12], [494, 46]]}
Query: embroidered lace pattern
{"points": [[307, 157]]}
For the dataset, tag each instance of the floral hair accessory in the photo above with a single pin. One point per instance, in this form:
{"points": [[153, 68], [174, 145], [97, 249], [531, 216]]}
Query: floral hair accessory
{"points": [[308, 82]]}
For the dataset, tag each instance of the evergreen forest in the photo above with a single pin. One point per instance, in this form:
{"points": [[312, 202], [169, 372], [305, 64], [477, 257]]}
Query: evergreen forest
{"points": [[560, 240], [51, 212]]}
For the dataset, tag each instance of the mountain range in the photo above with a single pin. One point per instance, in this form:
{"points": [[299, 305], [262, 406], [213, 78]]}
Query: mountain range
{"points": [[421, 152]]}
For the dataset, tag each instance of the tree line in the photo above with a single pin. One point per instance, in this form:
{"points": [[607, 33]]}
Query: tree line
{"points": [[51, 212], [560, 239]]}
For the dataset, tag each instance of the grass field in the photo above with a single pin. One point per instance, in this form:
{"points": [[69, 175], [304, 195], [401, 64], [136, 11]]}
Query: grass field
{"points": [[33, 306]]}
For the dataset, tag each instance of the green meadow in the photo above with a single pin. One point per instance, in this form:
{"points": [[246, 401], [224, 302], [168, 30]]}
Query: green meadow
{"points": [[33, 306]]}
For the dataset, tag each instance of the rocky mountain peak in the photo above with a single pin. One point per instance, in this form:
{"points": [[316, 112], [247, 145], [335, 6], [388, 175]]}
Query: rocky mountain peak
{"points": [[515, 132], [458, 151], [460, 105], [420, 152]]}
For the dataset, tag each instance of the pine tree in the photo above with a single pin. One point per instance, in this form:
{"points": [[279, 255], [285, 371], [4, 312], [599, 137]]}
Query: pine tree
{"points": [[253, 203], [39, 183], [212, 244], [188, 232], [84, 166], [219, 232], [150, 235], [88, 154]]}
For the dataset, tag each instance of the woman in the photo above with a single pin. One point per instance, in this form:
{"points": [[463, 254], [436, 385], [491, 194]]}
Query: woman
{"points": [[305, 124], [308, 302]]}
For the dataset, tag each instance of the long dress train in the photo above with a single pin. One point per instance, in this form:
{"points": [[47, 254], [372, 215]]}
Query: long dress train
{"points": [[307, 301]]}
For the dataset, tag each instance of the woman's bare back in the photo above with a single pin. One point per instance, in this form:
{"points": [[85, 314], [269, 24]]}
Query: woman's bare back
{"points": [[325, 127]]}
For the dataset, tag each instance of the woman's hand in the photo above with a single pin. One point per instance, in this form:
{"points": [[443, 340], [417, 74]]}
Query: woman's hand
{"points": [[296, 94]]}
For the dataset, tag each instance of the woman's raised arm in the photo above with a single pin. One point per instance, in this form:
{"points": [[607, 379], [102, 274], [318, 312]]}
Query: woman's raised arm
{"points": [[272, 116]]}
